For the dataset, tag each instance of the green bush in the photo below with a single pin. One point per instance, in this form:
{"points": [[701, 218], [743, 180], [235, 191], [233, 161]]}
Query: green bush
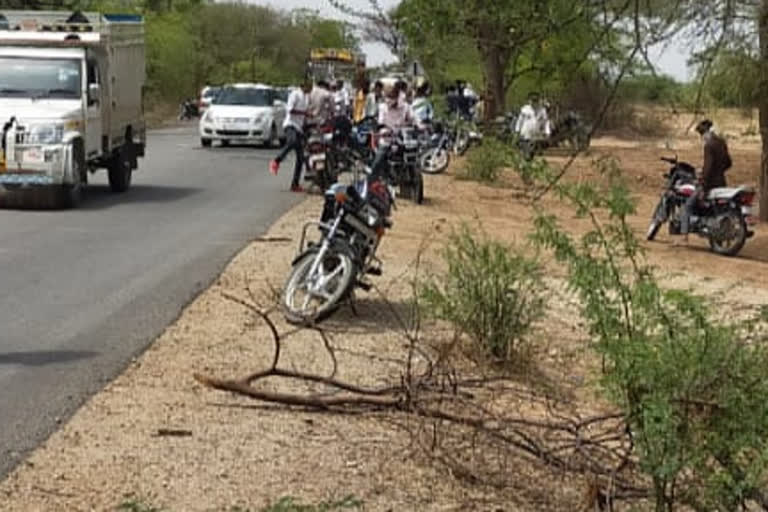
{"points": [[694, 393], [489, 292], [485, 163]]}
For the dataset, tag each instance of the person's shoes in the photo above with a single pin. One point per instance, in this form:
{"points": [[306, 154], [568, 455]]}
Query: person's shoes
{"points": [[274, 166], [297, 188]]}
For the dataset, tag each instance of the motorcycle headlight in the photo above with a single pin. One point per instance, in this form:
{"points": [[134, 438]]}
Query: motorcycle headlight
{"points": [[45, 134]]}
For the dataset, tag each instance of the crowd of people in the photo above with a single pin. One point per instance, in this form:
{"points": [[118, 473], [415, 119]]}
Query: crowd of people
{"points": [[394, 105]]}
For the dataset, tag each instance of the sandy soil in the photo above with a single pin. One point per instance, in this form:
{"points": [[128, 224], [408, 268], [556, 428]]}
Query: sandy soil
{"points": [[241, 453]]}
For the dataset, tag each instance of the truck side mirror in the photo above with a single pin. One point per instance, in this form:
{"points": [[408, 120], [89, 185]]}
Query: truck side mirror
{"points": [[94, 93]]}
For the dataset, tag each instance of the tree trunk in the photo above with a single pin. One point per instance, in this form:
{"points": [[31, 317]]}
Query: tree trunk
{"points": [[762, 22], [495, 62]]}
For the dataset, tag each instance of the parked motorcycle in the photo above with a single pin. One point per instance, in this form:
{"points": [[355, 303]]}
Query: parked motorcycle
{"points": [[403, 161], [323, 275], [435, 148], [188, 110], [723, 217], [322, 172]]}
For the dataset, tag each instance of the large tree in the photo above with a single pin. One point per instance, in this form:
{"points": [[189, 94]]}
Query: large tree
{"points": [[510, 38]]}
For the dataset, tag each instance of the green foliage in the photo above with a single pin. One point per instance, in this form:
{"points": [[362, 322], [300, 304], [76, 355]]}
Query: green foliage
{"points": [[490, 292], [136, 505], [694, 392], [289, 504], [486, 163], [734, 79], [191, 43], [648, 88]]}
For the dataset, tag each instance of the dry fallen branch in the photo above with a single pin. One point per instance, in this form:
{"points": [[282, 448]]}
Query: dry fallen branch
{"points": [[455, 415]]}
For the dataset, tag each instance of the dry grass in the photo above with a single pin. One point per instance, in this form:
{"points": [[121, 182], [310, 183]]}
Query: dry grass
{"points": [[246, 454]]}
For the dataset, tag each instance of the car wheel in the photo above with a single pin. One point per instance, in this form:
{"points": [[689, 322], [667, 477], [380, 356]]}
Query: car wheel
{"points": [[224, 143], [206, 143]]}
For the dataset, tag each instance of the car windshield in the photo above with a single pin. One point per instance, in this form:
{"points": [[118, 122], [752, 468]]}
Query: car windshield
{"points": [[212, 92], [243, 96], [40, 78]]}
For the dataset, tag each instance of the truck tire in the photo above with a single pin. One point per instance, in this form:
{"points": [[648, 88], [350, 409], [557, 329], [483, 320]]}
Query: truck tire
{"points": [[70, 196], [120, 169]]}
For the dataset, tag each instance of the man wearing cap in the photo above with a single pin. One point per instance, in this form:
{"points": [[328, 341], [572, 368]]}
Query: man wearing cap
{"points": [[717, 161]]}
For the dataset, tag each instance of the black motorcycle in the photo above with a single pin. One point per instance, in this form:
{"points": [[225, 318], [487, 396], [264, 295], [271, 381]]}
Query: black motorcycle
{"points": [[323, 275], [188, 110], [722, 217], [435, 148], [403, 161]]}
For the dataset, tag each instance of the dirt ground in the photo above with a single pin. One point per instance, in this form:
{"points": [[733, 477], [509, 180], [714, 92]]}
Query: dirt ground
{"points": [[245, 454]]}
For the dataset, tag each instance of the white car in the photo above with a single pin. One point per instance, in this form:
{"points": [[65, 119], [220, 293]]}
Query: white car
{"points": [[207, 95], [244, 114]]}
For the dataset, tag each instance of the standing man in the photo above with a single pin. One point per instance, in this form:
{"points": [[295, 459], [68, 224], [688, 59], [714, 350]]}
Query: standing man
{"points": [[717, 161], [294, 132], [532, 125], [320, 103]]}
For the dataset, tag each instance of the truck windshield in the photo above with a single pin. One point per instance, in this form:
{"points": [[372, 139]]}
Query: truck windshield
{"points": [[40, 78], [243, 96]]}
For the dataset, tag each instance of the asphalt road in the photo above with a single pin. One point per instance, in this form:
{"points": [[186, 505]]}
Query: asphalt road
{"points": [[85, 290]]}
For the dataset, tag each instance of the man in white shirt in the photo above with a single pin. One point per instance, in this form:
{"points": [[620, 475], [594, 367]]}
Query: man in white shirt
{"points": [[532, 124], [393, 114], [296, 114], [320, 103]]}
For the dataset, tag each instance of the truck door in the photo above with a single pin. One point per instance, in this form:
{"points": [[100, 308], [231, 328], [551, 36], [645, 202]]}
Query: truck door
{"points": [[93, 129]]}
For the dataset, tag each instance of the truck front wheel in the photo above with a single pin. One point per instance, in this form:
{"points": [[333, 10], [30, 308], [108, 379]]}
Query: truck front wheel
{"points": [[71, 195], [120, 169]]}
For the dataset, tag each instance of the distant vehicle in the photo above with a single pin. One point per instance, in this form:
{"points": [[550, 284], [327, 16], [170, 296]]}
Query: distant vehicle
{"points": [[207, 96], [246, 114], [70, 102]]}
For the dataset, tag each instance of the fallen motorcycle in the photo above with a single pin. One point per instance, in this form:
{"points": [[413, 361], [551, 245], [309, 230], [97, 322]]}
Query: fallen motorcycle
{"points": [[325, 274], [722, 218]]}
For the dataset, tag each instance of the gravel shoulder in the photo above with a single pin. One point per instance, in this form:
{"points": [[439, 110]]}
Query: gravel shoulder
{"points": [[247, 454]]}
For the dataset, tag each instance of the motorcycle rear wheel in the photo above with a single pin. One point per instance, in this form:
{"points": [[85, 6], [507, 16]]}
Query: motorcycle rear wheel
{"points": [[336, 275], [737, 232]]}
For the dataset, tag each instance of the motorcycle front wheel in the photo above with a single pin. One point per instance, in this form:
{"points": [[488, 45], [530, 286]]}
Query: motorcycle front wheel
{"points": [[435, 160], [659, 216], [308, 299], [730, 235]]}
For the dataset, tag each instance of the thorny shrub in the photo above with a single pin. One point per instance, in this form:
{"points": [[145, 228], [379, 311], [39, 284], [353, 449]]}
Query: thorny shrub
{"points": [[490, 292], [694, 389], [486, 163]]}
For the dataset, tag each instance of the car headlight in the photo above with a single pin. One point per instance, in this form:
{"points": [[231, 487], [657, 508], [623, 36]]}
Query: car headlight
{"points": [[208, 117], [258, 119], [45, 134]]}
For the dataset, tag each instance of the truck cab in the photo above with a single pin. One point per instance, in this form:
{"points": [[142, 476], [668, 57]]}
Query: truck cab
{"points": [[70, 101]]}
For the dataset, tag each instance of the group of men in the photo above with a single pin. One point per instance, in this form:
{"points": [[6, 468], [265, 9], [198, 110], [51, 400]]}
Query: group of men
{"points": [[320, 103]]}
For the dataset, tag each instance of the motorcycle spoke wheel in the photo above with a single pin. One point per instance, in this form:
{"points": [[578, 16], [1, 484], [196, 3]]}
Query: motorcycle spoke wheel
{"points": [[729, 236]]}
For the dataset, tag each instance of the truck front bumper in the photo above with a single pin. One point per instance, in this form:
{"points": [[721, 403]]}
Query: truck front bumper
{"points": [[36, 164]]}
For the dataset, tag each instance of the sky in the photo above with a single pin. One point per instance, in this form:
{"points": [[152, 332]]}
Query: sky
{"points": [[670, 60]]}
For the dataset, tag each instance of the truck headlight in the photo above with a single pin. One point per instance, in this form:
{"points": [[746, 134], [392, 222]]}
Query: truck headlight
{"points": [[45, 134]]}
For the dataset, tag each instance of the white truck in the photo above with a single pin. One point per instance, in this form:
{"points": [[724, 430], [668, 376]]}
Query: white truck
{"points": [[71, 102]]}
